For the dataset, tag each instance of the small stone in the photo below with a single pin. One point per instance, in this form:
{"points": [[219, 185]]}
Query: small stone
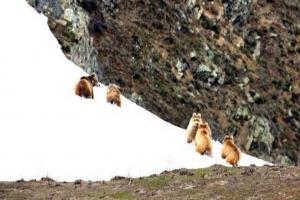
{"points": [[61, 22], [246, 80], [256, 97], [136, 98], [191, 3], [179, 66], [203, 68], [69, 14], [198, 11], [256, 53], [193, 54]]}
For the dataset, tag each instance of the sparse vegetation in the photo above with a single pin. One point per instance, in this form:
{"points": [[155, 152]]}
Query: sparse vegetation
{"points": [[216, 182]]}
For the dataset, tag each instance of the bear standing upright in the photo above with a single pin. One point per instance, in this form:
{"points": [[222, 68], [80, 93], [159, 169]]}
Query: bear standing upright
{"points": [[230, 151], [192, 127], [84, 88], [203, 140], [113, 95]]}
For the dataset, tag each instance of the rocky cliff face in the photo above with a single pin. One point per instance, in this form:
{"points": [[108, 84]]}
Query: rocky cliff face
{"points": [[236, 62]]}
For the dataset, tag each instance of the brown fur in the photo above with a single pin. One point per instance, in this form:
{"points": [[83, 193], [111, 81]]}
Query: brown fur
{"points": [[84, 88], [192, 127], [203, 139], [230, 151], [209, 130], [113, 95]]}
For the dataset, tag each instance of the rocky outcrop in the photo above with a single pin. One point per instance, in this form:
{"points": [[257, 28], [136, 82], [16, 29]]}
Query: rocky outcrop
{"points": [[68, 22], [236, 62]]}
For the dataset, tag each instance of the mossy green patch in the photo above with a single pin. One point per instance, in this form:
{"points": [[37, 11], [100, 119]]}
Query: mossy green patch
{"points": [[123, 195]]}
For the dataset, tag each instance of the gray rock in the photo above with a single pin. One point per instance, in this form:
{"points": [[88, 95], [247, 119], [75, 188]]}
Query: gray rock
{"points": [[260, 133], [285, 161], [293, 3], [75, 21], [136, 99], [203, 68], [47, 7]]}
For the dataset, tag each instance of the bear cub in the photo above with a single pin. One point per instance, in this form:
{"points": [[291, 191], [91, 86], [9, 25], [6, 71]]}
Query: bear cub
{"points": [[230, 151], [203, 139], [113, 95]]}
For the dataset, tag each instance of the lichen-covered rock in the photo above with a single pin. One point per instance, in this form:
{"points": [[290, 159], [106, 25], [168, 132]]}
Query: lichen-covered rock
{"points": [[261, 135], [243, 113], [293, 3], [285, 161], [68, 23], [136, 99]]}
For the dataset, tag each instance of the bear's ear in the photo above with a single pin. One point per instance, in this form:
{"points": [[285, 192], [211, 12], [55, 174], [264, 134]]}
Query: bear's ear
{"points": [[94, 76], [194, 115], [228, 137]]}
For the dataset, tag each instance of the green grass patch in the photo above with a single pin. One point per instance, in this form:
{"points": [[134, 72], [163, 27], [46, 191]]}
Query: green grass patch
{"points": [[154, 183], [123, 195]]}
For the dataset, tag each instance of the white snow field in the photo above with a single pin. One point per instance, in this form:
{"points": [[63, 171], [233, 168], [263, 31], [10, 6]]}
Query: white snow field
{"points": [[46, 130]]}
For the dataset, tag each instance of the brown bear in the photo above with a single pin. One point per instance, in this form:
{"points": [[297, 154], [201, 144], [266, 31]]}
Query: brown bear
{"points": [[203, 140], [192, 127], [230, 151], [84, 88], [113, 95]]}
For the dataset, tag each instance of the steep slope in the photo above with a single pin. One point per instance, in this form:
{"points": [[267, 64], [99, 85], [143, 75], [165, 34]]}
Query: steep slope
{"points": [[237, 62], [47, 130]]}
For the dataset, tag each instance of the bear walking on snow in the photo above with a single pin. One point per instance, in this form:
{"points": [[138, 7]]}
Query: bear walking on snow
{"points": [[84, 88], [230, 151], [192, 127], [203, 139], [113, 95]]}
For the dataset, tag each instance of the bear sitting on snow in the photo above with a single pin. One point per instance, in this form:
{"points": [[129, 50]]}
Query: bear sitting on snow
{"points": [[230, 151], [203, 139], [192, 127]]}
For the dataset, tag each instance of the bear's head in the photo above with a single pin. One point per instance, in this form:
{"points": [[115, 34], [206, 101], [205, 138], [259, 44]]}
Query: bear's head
{"points": [[94, 80], [114, 87], [197, 116], [228, 138], [203, 125]]}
